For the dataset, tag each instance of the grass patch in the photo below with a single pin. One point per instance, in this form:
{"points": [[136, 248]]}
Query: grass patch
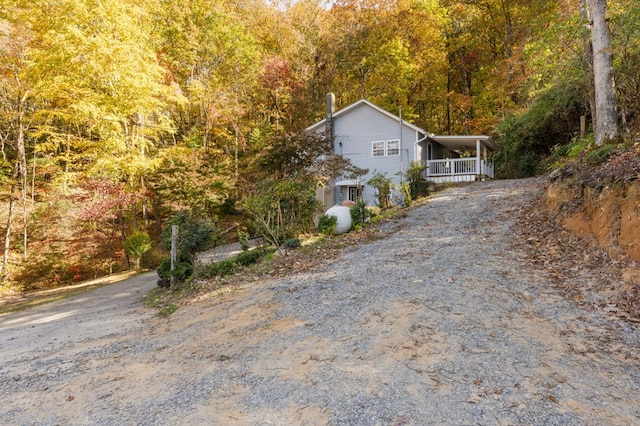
{"points": [[154, 297], [168, 310], [234, 264], [163, 300], [384, 214]]}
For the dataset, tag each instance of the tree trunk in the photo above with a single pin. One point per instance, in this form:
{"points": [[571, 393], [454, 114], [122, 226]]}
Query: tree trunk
{"points": [[124, 238], [65, 184], [22, 162], [157, 218], [606, 119], [7, 237]]}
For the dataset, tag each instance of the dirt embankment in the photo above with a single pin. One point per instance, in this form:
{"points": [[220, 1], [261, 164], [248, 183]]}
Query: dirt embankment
{"points": [[610, 214], [591, 219]]}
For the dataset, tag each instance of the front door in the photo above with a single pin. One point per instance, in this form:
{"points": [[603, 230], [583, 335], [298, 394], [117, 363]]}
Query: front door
{"points": [[354, 193]]}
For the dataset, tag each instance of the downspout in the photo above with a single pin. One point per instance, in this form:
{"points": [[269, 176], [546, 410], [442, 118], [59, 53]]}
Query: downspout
{"points": [[426, 136]]}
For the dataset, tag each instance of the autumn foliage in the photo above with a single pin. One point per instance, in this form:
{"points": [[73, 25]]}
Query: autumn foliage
{"points": [[116, 116]]}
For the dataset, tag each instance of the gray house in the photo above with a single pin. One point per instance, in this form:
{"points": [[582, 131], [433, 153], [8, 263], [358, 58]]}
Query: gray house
{"points": [[380, 141]]}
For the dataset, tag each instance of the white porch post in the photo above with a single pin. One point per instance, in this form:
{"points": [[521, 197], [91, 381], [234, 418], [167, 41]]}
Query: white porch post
{"points": [[485, 161], [478, 171]]}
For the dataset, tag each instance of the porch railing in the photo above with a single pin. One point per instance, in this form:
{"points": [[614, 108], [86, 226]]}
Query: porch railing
{"points": [[459, 166]]}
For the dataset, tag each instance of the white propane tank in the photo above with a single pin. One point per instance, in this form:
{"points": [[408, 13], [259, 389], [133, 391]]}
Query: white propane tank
{"points": [[343, 216]]}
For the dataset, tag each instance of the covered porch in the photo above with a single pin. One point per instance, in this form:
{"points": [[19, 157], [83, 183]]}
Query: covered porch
{"points": [[464, 159]]}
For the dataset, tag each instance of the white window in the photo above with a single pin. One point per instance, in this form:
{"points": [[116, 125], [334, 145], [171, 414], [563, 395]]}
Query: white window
{"points": [[377, 149], [393, 147]]}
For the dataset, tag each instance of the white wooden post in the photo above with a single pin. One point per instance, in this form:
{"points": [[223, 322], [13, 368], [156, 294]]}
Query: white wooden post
{"points": [[478, 171], [485, 161]]}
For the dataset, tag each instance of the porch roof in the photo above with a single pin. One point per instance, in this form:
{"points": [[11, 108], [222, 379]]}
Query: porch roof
{"points": [[348, 182], [465, 142]]}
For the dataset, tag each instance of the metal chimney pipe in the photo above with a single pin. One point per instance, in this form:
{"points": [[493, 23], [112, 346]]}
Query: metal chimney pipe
{"points": [[330, 109]]}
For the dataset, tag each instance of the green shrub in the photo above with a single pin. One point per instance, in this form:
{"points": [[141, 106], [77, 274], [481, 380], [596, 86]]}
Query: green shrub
{"points": [[419, 189], [152, 258], [182, 272], [196, 233], [418, 186], [243, 239], [578, 146], [552, 119], [327, 224], [359, 214], [292, 243], [382, 184], [528, 165], [599, 154], [416, 170], [248, 257], [282, 209], [373, 211], [223, 268], [405, 190]]}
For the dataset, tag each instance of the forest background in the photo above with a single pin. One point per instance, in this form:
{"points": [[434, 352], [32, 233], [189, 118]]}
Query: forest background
{"points": [[118, 118]]}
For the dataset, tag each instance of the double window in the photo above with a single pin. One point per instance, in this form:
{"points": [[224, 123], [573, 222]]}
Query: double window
{"points": [[385, 148]]}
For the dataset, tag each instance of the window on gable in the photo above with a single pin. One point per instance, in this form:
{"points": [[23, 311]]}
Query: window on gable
{"points": [[393, 147], [377, 148]]}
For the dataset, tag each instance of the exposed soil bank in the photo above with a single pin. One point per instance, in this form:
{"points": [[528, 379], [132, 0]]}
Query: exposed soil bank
{"points": [[610, 213], [590, 219]]}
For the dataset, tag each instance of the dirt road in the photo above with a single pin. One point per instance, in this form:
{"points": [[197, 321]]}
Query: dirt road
{"points": [[93, 315], [440, 321]]}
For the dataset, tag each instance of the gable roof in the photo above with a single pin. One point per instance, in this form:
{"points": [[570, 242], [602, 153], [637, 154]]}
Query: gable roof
{"points": [[452, 142], [320, 124]]}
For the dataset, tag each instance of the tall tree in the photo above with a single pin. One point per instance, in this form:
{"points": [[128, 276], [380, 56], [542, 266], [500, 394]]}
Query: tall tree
{"points": [[215, 61], [606, 117], [15, 102]]}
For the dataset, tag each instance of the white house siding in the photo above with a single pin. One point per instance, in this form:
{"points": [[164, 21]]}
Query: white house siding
{"points": [[354, 134]]}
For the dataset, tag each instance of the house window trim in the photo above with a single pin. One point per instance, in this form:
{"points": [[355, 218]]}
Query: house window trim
{"points": [[384, 148], [381, 151], [397, 141]]}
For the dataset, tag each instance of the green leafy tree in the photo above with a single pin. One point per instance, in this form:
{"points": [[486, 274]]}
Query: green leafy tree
{"points": [[192, 179], [216, 63], [282, 210], [136, 245], [196, 233], [293, 156]]}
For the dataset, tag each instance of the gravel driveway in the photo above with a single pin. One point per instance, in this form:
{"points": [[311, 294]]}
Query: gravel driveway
{"points": [[441, 321]]}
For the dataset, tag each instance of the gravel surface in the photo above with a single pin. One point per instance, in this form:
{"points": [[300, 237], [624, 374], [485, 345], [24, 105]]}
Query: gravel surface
{"points": [[440, 321]]}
